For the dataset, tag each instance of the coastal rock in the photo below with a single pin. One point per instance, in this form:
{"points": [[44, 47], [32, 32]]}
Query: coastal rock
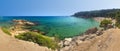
{"points": [[82, 38], [78, 42], [91, 30], [99, 32], [67, 41], [65, 48], [90, 37], [61, 44], [21, 26], [23, 22], [30, 23]]}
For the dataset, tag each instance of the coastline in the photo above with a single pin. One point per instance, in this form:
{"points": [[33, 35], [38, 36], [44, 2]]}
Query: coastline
{"points": [[94, 42], [87, 42], [99, 19], [9, 43], [58, 25], [108, 41]]}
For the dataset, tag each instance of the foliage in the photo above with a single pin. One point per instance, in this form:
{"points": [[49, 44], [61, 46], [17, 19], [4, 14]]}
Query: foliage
{"points": [[6, 30], [117, 19], [112, 13], [39, 39], [98, 13], [105, 23]]}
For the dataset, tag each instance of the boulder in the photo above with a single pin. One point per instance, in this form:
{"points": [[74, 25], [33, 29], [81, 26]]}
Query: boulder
{"points": [[65, 48], [61, 44], [83, 38], [91, 37], [99, 32], [67, 41]]}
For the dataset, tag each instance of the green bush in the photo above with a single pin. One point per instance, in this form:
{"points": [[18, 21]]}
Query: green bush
{"points": [[6, 30], [105, 23], [117, 18], [117, 24], [39, 39]]}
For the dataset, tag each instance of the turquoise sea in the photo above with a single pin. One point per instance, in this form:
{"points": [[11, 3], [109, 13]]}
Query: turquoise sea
{"points": [[62, 26]]}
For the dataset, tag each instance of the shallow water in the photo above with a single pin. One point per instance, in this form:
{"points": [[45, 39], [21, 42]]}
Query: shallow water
{"points": [[63, 26]]}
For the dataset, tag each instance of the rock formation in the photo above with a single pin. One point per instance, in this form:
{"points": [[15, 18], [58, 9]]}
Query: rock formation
{"points": [[69, 44], [91, 30]]}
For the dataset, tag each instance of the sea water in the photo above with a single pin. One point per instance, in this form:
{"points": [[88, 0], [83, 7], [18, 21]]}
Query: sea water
{"points": [[62, 26]]}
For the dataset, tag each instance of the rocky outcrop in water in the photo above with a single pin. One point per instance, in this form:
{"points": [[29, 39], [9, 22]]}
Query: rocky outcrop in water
{"points": [[8, 43], [24, 22], [22, 26]]}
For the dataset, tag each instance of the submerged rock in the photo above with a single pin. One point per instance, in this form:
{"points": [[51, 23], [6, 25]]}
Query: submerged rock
{"points": [[21, 26], [23, 22], [35, 30]]}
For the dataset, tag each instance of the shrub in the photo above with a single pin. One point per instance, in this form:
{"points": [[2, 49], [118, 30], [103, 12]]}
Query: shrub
{"points": [[117, 24], [39, 39], [117, 18], [105, 23], [6, 30]]}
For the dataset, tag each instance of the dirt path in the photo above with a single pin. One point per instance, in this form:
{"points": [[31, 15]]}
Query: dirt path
{"points": [[109, 41], [8, 43], [115, 44]]}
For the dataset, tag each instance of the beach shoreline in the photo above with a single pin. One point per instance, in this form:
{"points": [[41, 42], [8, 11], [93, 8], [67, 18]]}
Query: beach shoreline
{"points": [[104, 41]]}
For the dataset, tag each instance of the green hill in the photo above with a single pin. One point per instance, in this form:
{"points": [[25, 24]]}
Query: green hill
{"points": [[97, 13]]}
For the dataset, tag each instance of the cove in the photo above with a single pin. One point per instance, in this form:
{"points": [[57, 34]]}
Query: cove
{"points": [[62, 26]]}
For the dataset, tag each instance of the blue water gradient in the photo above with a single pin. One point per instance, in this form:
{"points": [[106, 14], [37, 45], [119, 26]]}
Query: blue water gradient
{"points": [[63, 26]]}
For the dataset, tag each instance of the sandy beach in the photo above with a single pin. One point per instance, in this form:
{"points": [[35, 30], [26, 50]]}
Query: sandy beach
{"points": [[99, 19]]}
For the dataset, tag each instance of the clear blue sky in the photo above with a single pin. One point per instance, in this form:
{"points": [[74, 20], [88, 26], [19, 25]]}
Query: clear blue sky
{"points": [[52, 7]]}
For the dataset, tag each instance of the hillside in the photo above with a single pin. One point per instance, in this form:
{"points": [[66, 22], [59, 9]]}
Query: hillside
{"points": [[109, 41], [8, 43], [98, 13]]}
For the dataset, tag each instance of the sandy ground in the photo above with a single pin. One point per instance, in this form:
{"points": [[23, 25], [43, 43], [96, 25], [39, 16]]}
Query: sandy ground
{"points": [[115, 42], [99, 19], [109, 41], [8, 43]]}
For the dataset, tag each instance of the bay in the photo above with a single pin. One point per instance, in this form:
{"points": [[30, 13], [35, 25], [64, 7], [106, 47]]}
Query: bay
{"points": [[62, 26]]}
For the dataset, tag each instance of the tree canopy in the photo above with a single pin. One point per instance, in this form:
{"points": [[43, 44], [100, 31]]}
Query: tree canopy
{"points": [[105, 23], [98, 13]]}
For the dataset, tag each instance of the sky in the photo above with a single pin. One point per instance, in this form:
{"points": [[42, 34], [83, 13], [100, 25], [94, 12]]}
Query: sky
{"points": [[53, 7]]}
